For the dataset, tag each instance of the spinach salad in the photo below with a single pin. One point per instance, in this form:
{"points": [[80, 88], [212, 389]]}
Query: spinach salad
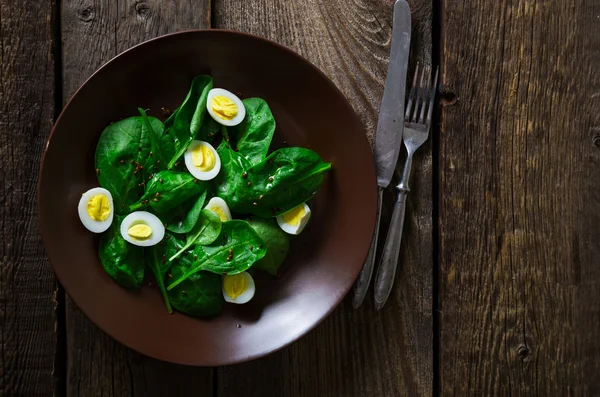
{"points": [[199, 202]]}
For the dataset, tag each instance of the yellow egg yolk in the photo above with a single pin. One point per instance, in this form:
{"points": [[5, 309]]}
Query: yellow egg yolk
{"points": [[203, 158], [224, 107], [219, 211], [140, 231], [294, 216], [235, 285], [98, 207]]}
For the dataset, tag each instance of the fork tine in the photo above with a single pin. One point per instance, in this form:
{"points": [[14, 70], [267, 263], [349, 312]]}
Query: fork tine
{"points": [[411, 95], [432, 96], [419, 95], [425, 89]]}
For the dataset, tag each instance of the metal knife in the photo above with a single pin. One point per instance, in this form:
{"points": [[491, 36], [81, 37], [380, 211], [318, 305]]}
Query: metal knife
{"points": [[388, 138]]}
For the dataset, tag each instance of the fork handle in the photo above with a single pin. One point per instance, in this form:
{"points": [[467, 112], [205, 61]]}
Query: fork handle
{"points": [[391, 251], [364, 279]]}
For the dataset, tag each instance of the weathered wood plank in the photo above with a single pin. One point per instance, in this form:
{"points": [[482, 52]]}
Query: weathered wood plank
{"points": [[93, 32], [28, 319], [520, 199], [353, 353]]}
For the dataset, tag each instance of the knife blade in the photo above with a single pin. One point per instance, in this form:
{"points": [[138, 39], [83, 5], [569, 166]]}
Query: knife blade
{"points": [[390, 125]]}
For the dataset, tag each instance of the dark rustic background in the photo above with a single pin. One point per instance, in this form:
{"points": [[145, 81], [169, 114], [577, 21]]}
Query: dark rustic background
{"points": [[498, 291]]}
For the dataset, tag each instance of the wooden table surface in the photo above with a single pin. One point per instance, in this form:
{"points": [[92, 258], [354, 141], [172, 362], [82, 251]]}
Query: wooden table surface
{"points": [[498, 291]]}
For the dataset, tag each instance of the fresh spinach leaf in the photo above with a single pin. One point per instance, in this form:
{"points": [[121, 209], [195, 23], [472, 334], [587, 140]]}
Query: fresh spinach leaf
{"points": [[234, 251], [286, 178], [190, 116], [167, 190], [200, 294], [122, 261], [123, 147], [206, 230], [183, 218], [276, 240], [159, 264], [162, 147], [252, 137]]}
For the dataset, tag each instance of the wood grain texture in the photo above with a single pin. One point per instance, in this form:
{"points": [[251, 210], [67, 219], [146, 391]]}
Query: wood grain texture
{"points": [[28, 288], [353, 353], [93, 32], [520, 199]]}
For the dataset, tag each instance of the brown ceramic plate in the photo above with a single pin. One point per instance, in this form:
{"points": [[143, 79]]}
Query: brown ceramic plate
{"points": [[310, 112]]}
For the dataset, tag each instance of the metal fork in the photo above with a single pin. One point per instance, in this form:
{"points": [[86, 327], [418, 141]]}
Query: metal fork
{"points": [[417, 123]]}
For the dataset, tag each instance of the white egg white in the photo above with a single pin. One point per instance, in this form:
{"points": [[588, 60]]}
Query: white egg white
{"points": [[238, 102], [220, 203], [91, 224], [295, 229], [143, 217], [246, 295], [189, 162]]}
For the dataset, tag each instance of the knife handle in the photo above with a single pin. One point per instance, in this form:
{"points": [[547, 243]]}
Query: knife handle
{"points": [[364, 279], [391, 251]]}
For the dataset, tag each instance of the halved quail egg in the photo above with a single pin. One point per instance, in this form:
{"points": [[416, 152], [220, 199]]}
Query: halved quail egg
{"points": [[202, 160], [294, 221], [142, 228], [219, 207], [238, 288], [96, 209], [225, 107]]}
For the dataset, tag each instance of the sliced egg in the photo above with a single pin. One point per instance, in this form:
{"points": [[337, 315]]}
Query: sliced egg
{"points": [[238, 288], [142, 228], [202, 160], [225, 107], [294, 221], [219, 207], [96, 209]]}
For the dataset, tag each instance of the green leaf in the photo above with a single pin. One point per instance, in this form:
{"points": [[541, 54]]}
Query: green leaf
{"points": [[189, 117], [234, 251], [167, 190], [252, 137], [183, 218], [206, 230], [160, 266], [161, 149], [122, 261], [286, 178], [200, 294], [124, 146], [277, 242]]}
